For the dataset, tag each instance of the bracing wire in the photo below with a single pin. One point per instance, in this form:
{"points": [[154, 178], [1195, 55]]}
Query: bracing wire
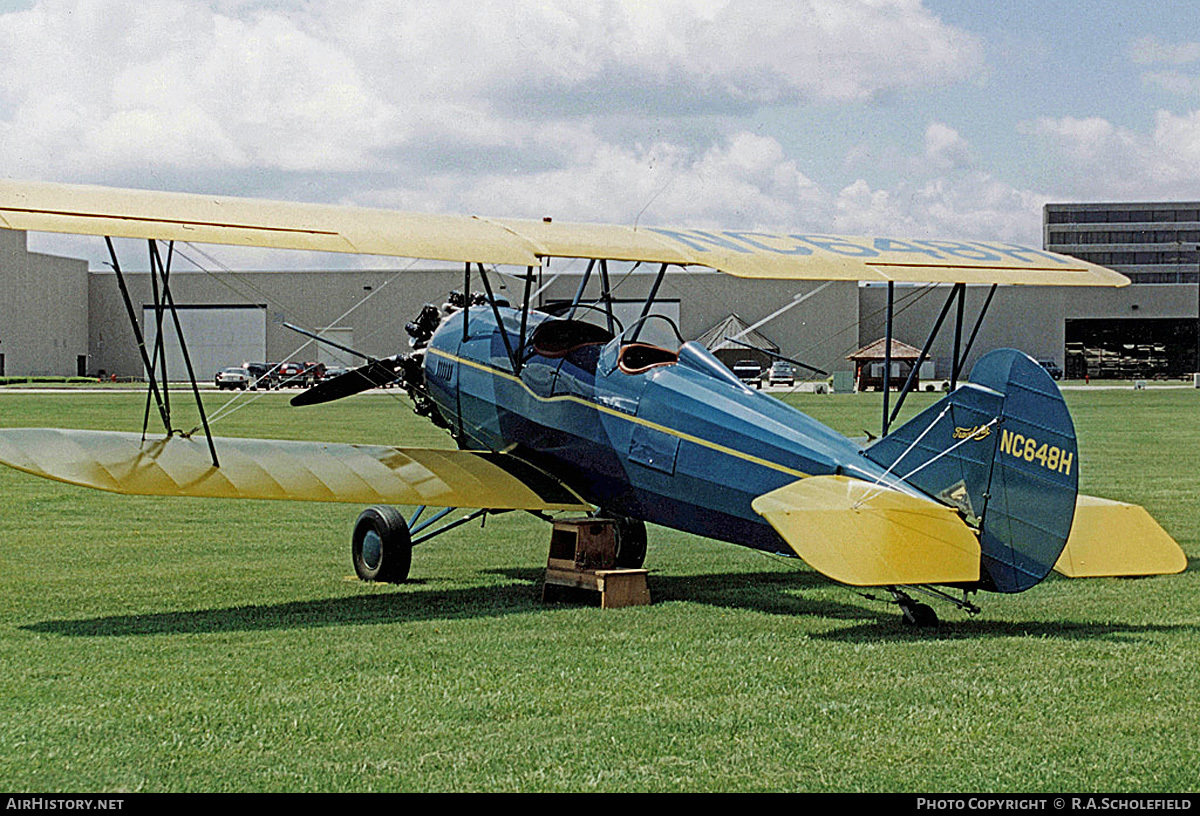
{"points": [[232, 406]]}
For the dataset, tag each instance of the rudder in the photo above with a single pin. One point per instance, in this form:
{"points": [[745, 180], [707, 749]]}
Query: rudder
{"points": [[1001, 449]]}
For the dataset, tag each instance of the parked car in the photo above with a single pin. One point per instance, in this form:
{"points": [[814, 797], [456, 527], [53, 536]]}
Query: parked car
{"points": [[233, 377], [313, 373], [260, 374], [748, 371], [781, 374], [1052, 368], [289, 375]]}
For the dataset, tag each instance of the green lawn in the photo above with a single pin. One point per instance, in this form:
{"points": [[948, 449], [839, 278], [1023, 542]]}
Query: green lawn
{"points": [[203, 645]]}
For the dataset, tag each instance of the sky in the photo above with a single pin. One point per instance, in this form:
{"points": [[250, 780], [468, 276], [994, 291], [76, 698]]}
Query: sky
{"points": [[910, 118]]}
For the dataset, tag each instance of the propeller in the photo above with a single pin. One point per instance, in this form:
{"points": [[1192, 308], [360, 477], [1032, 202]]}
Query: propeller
{"points": [[376, 373], [372, 375]]}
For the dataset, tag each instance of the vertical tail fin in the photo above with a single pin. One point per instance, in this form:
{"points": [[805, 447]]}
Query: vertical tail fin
{"points": [[1001, 449]]}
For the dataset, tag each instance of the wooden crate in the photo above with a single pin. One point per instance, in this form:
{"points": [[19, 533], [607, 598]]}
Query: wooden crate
{"points": [[582, 563]]}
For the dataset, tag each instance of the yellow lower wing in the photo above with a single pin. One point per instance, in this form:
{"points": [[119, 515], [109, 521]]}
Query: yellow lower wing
{"points": [[1111, 538], [868, 535], [275, 469]]}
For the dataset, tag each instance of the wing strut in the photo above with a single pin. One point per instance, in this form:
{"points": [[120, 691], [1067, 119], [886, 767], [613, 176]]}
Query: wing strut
{"points": [[913, 374], [583, 282], [887, 354], [513, 359], [164, 302], [957, 297], [525, 310], [137, 334], [662, 273], [978, 322]]}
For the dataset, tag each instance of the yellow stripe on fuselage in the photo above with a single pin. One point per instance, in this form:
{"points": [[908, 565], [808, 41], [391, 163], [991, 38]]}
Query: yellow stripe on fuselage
{"points": [[707, 443]]}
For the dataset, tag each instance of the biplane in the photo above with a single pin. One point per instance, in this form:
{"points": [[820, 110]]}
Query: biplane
{"points": [[568, 409]]}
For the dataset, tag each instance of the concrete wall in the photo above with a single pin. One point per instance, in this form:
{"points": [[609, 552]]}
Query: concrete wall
{"points": [[312, 300], [43, 310], [819, 331]]}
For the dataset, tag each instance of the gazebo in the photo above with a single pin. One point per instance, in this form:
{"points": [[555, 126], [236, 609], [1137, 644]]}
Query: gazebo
{"points": [[868, 365]]}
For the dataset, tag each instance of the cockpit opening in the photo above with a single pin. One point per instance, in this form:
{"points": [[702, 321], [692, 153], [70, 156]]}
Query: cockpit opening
{"points": [[558, 338], [638, 357], [653, 340]]}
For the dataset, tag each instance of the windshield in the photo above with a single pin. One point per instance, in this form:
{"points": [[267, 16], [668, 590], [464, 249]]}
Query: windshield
{"points": [[654, 330]]}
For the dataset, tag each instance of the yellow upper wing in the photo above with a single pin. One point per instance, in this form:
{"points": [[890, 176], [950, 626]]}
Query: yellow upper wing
{"points": [[45, 207], [274, 469]]}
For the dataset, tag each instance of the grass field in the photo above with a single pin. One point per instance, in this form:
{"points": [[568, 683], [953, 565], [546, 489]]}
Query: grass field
{"points": [[201, 645]]}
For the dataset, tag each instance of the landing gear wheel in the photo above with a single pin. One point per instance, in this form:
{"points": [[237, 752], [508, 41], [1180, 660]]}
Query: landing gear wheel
{"points": [[631, 543], [381, 545], [918, 615]]}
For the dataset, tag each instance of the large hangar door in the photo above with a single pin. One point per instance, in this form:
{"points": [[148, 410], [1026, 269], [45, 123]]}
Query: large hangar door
{"points": [[217, 337]]}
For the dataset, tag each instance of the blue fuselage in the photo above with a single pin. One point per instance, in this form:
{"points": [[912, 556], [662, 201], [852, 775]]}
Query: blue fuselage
{"points": [[672, 438]]}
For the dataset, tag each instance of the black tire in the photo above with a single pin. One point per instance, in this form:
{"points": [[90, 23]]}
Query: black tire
{"points": [[381, 545], [631, 543], [919, 615]]}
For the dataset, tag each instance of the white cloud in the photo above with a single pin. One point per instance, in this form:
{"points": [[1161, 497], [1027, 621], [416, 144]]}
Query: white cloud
{"points": [[606, 110], [1175, 82], [969, 206], [173, 84], [1110, 160], [1151, 50], [102, 87], [945, 148], [744, 180], [1147, 50]]}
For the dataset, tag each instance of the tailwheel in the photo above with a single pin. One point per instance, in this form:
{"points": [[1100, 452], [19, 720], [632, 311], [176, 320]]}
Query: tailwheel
{"points": [[912, 612], [381, 545], [918, 615]]}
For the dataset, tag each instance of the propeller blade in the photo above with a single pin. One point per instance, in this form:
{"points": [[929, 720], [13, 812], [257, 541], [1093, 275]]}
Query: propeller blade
{"points": [[355, 381]]}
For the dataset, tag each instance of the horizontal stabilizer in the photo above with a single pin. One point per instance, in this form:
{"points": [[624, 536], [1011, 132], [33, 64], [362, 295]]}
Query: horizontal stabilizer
{"points": [[1111, 538], [276, 469], [864, 534]]}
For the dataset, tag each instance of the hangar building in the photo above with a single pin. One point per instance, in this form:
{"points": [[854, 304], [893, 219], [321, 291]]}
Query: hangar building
{"points": [[44, 311], [1157, 246], [57, 317]]}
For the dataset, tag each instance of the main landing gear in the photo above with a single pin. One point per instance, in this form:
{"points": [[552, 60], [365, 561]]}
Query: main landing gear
{"points": [[381, 545], [382, 541], [631, 542]]}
